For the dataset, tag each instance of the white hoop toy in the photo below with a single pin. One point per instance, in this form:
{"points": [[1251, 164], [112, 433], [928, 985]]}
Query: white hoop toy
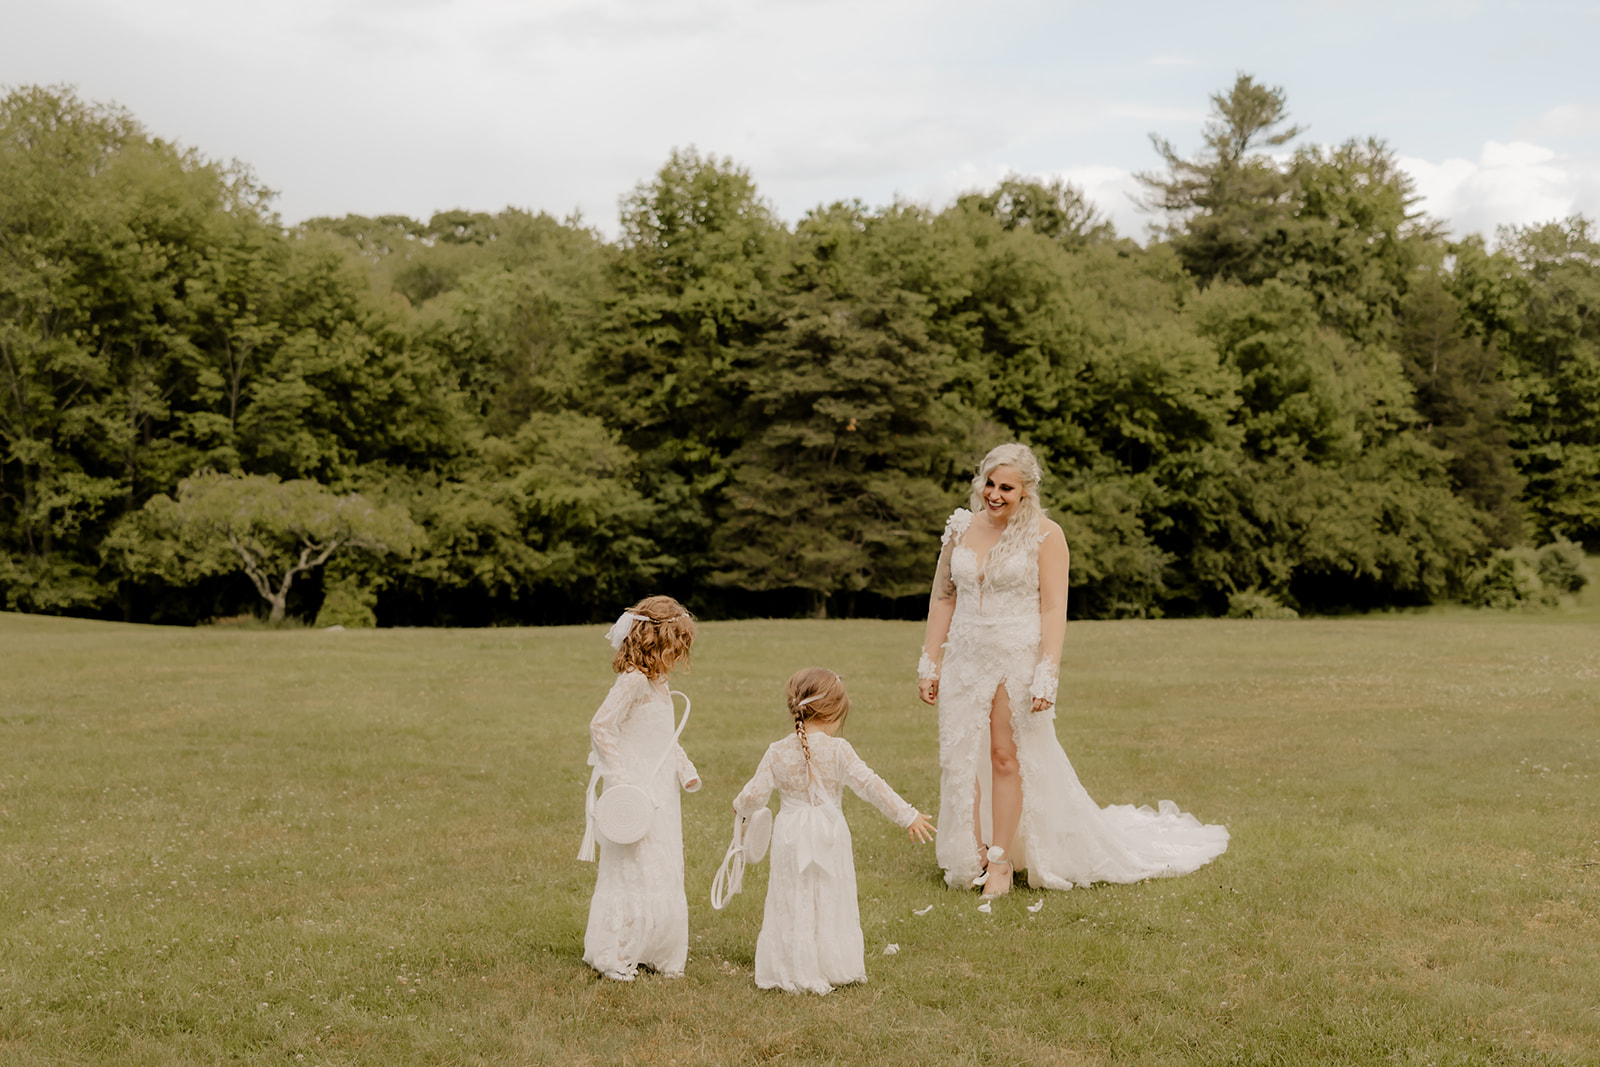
{"points": [[750, 839]]}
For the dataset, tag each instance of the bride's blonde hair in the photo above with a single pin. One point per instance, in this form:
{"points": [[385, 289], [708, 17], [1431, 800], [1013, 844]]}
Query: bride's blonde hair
{"points": [[1022, 531]]}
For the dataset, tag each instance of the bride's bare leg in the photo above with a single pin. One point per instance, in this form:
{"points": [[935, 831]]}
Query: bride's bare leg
{"points": [[977, 812], [977, 825], [1005, 795]]}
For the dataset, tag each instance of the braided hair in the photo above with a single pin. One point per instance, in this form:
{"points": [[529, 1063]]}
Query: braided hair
{"points": [[815, 695]]}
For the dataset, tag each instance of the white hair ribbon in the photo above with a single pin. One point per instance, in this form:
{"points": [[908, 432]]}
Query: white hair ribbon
{"points": [[623, 627], [817, 696]]}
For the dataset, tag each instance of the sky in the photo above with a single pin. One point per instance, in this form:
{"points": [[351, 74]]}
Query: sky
{"points": [[414, 106]]}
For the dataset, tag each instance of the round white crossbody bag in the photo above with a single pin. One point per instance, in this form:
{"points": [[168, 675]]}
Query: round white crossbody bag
{"points": [[623, 813]]}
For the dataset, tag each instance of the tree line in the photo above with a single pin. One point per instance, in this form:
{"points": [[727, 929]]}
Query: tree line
{"points": [[1299, 393]]}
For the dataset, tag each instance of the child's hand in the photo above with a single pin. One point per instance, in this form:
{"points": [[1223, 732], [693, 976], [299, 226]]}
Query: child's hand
{"points": [[921, 829]]}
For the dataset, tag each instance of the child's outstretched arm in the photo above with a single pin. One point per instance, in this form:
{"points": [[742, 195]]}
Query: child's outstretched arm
{"points": [[866, 784]]}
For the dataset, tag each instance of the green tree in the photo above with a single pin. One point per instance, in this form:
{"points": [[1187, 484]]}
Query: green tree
{"points": [[273, 531], [348, 383], [547, 525], [1288, 367], [1055, 209], [695, 282], [839, 485], [1555, 376], [105, 234], [1463, 403], [1356, 240], [700, 255], [1087, 354], [1231, 200]]}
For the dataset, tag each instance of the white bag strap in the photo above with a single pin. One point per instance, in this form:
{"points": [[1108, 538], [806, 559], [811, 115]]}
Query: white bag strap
{"points": [[592, 791], [586, 849], [729, 879], [676, 733]]}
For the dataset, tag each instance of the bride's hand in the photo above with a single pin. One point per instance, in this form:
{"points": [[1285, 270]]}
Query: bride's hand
{"points": [[1041, 704], [928, 690]]}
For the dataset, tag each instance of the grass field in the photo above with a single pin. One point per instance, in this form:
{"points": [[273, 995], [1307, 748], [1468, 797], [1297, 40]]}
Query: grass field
{"points": [[357, 848]]}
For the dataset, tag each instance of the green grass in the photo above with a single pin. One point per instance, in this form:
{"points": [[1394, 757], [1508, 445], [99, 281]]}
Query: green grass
{"points": [[342, 848]]}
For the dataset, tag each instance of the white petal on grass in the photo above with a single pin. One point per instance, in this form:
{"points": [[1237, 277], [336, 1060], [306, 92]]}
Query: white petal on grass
{"points": [[891, 949], [922, 911], [984, 907], [1037, 906]]}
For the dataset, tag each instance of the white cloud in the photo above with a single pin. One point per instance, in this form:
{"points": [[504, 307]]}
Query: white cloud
{"points": [[1114, 191], [1515, 183], [1564, 120], [377, 106], [1189, 116], [967, 178]]}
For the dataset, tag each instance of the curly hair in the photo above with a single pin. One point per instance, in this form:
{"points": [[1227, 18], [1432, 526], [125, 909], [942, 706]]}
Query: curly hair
{"points": [[816, 694], [658, 642], [1022, 532]]}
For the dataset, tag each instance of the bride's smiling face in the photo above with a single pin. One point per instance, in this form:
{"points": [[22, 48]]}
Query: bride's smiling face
{"points": [[1002, 492]]}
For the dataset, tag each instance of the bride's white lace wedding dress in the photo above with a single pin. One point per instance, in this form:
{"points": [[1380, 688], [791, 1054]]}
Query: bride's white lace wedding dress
{"points": [[810, 938], [1064, 838]]}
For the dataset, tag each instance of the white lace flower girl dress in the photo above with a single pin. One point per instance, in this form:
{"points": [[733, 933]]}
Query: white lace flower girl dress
{"points": [[810, 937], [639, 915]]}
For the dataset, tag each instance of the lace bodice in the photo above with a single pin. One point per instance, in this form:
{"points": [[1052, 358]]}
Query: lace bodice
{"points": [[834, 765], [632, 728], [1001, 588]]}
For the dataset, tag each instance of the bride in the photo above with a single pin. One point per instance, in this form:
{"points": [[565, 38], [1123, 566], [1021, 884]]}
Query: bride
{"points": [[990, 660]]}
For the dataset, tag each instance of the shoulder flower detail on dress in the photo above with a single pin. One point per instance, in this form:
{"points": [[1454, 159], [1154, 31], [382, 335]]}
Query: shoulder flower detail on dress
{"points": [[956, 525]]}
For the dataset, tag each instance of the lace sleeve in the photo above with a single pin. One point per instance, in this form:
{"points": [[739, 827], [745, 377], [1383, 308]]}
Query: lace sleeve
{"points": [[758, 790], [865, 783], [686, 771], [605, 729]]}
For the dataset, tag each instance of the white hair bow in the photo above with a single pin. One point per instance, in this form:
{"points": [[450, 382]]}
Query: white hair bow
{"points": [[623, 627]]}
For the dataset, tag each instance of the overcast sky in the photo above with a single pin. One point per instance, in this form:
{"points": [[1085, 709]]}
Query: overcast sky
{"points": [[413, 106]]}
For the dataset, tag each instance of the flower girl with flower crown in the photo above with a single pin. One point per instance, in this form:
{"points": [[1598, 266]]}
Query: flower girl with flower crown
{"points": [[639, 916], [810, 937]]}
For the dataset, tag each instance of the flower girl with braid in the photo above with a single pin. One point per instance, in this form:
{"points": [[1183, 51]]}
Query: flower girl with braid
{"points": [[639, 916], [810, 937]]}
